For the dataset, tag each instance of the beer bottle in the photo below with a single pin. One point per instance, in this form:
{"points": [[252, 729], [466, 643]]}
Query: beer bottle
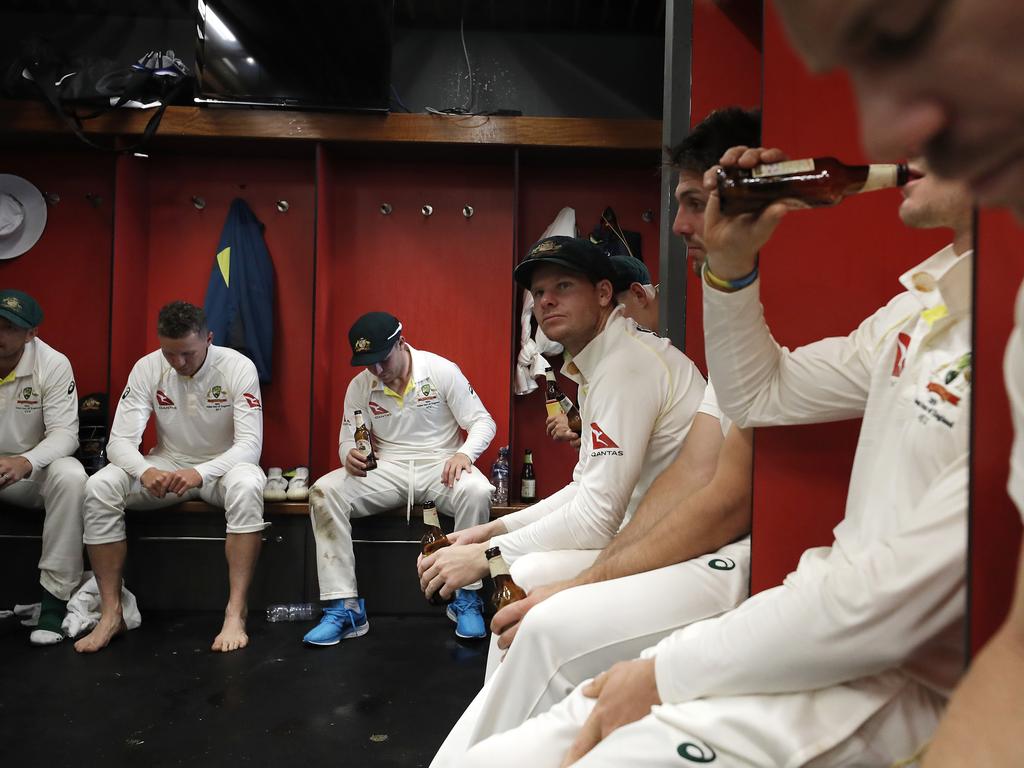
{"points": [[362, 435], [433, 537], [528, 487], [812, 182], [557, 402], [505, 590]]}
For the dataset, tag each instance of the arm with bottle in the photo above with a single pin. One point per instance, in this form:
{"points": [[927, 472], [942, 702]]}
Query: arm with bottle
{"points": [[352, 450], [758, 382]]}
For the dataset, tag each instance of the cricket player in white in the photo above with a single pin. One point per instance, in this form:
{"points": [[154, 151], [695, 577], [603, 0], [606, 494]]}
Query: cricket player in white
{"points": [[851, 659], [209, 422], [416, 405], [687, 539], [639, 395], [38, 435]]}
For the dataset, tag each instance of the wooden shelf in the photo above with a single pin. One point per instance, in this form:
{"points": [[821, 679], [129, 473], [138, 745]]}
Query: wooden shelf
{"points": [[35, 118]]}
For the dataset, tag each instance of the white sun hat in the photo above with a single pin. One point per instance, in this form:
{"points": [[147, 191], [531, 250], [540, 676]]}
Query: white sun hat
{"points": [[22, 215]]}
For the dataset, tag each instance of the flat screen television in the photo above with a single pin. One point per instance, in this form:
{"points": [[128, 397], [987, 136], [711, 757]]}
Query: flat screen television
{"points": [[304, 54]]}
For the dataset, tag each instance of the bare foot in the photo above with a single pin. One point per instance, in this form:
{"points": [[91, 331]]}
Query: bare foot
{"points": [[232, 635], [109, 627]]}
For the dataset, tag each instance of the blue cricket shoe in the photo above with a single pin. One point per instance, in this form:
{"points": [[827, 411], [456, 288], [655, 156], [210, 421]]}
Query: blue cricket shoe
{"points": [[467, 611], [339, 623]]}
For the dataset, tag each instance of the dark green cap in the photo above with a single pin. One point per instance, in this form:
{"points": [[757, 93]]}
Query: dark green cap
{"points": [[629, 270], [20, 308], [372, 336], [574, 253]]}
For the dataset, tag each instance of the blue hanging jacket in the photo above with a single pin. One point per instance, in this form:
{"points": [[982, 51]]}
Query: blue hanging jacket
{"points": [[240, 297]]}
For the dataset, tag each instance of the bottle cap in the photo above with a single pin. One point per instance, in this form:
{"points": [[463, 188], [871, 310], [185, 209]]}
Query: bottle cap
{"points": [[492, 552], [428, 505]]}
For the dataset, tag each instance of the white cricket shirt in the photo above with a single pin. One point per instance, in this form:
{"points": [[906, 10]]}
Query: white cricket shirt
{"points": [[211, 421], [424, 422], [639, 395], [889, 592], [1013, 371], [39, 407]]}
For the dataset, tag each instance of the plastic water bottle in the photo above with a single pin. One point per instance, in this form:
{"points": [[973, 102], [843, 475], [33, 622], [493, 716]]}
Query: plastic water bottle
{"points": [[292, 612], [500, 473]]}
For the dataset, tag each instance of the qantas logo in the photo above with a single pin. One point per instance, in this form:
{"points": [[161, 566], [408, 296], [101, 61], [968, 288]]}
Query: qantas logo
{"points": [[163, 400], [902, 347], [252, 400], [601, 444], [378, 410]]}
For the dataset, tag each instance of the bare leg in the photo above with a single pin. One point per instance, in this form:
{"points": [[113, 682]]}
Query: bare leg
{"points": [[108, 564], [241, 550]]}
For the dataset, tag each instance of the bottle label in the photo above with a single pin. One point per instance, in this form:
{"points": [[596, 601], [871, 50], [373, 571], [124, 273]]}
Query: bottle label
{"points": [[363, 446], [553, 407], [780, 169], [498, 566], [430, 517], [565, 404], [880, 176], [529, 489]]}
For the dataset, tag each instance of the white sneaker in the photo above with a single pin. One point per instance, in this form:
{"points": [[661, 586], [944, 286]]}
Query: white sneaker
{"points": [[298, 486], [276, 487]]}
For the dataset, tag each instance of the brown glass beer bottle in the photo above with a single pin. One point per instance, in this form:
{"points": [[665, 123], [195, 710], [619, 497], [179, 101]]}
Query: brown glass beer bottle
{"points": [[505, 590], [812, 182], [528, 481], [556, 402], [433, 537], [362, 436]]}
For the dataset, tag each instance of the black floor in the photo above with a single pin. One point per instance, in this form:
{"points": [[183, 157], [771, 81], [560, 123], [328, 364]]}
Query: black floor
{"points": [[157, 696]]}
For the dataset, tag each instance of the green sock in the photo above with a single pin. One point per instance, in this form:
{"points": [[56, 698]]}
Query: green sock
{"points": [[51, 613]]}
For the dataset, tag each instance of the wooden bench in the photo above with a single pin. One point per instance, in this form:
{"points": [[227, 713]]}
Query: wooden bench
{"points": [[302, 508]]}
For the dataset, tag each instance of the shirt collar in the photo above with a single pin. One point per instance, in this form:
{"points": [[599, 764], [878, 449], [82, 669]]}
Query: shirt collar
{"points": [[418, 369], [26, 364], [943, 279], [584, 364], [206, 367]]}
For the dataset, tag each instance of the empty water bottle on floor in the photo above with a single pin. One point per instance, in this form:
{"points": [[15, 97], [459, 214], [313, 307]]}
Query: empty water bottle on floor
{"points": [[293, 612]]}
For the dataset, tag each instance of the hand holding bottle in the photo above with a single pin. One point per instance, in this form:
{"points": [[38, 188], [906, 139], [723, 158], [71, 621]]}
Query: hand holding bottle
{"points": [[732, 242]]}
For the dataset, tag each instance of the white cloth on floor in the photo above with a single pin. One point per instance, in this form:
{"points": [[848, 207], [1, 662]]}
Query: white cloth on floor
{"points": [[531, 363], [84, 609]]}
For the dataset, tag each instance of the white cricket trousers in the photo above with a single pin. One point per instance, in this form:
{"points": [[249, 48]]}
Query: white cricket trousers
{"points": [[576, 634], [337, 497], [873, 721], [59, 488], [111, 491]]}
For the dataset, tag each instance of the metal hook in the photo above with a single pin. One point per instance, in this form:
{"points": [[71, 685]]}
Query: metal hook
{"points": [[427, 209], [647, 216], [52, 197], [385, 209], [198, 202], [467, 211], [95, 199], [282, 206]]}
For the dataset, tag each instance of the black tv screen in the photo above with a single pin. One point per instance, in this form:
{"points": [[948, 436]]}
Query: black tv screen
{"points": [[309, 54]]}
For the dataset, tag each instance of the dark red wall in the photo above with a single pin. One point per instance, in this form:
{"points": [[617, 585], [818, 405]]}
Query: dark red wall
{"points": [[68, 270], [995, 522]]}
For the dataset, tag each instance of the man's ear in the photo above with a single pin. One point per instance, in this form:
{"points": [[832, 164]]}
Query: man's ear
{"points": [[640, 293], [605, 292], [31, 333]]}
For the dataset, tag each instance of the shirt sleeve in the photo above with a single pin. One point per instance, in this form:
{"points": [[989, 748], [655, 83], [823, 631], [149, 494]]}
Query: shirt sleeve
{"points": [[833, 621], [247, 405], [524, 517], [60, 415], [592, 517], [469, 412], [759, 383], [133, 411]]}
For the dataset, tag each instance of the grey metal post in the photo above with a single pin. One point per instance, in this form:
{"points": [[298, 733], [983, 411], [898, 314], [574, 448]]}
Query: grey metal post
{"points": [[675, 126]]}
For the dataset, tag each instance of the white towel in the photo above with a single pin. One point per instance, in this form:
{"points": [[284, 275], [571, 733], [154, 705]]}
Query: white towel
{"points": [[84, 608], [531, 363]]}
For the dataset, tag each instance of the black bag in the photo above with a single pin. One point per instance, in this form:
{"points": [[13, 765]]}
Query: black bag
{"points": [[80, 88], [613, 238], [92, 432]]}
